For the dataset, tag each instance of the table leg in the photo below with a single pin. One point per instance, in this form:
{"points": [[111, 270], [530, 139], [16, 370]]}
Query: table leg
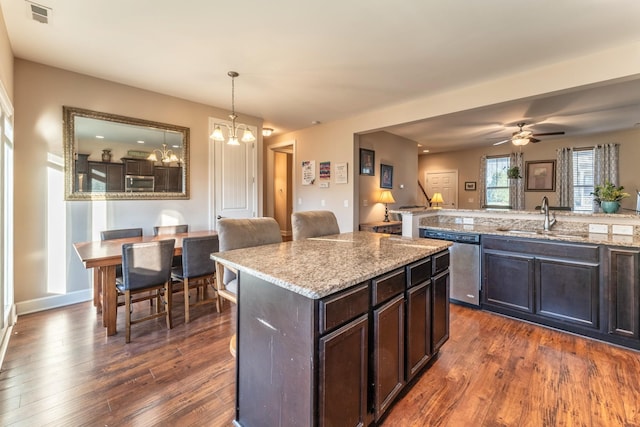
{"points": [[97, 290], [110, 299]]}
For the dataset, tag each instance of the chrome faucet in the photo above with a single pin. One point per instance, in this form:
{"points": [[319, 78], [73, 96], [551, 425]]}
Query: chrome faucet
{"points": [[548, 223]]}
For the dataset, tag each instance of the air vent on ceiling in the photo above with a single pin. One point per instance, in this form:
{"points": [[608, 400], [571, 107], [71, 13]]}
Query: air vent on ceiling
{"points": [[38, 12]]}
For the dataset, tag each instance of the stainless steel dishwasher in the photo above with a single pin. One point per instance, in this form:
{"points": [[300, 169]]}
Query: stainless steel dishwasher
{"points": [[464, 267]]}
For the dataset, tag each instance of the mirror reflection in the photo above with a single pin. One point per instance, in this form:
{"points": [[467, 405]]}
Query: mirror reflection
{"points": [[116, 157]]}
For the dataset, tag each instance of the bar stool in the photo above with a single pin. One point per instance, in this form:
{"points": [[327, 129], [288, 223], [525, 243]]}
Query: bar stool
{"points": [[313, 224]]}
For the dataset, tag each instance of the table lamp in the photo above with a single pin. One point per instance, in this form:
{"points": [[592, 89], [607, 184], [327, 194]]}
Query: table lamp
{"points": [[437, 198], [386, 197]]}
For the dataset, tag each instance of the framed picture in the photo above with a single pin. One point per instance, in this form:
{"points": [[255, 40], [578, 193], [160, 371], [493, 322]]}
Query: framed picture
{"points": [[386, 176], [541, 175], [470, 186], [367, 162]]}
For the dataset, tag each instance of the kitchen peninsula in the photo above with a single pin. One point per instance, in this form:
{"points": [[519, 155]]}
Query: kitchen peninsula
{"points": [[331, 329]]}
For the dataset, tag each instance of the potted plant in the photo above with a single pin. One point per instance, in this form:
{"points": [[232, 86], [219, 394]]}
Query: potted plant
{"points": [[514, 172], [608, 196]]}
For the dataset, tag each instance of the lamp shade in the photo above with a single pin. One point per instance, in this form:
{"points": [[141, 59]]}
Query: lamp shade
{"points": [[386, 197], [437, 198]]}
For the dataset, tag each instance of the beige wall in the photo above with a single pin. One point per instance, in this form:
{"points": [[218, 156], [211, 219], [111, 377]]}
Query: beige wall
{"points": [[398, 152], [6, 59], [45, 225], [468, 164]]}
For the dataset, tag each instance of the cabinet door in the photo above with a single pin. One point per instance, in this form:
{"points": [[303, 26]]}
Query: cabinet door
{"points": [[440, 310], [418, 327], [161, 178], [342, 398], [115, 177], [568, 291], [508, 280], [388, 353], [174, 180], [624, 293], [145, 167]]}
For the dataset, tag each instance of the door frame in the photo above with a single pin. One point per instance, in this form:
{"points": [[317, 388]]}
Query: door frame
{"points": [[270, 164], [426, 183]]}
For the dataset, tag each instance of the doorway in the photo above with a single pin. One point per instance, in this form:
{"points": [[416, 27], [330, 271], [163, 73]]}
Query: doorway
{"points": [[280, 186], [445, 183]]}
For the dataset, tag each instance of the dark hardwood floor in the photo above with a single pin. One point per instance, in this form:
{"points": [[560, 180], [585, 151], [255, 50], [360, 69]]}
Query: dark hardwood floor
{"points": [[61, 370]]}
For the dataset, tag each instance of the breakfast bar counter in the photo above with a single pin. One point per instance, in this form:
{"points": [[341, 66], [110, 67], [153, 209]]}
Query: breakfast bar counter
{"points": [[331, 329]]}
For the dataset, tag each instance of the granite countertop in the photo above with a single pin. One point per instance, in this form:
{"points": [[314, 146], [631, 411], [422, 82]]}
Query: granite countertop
{"points": [[593, 238], [319, 267]]}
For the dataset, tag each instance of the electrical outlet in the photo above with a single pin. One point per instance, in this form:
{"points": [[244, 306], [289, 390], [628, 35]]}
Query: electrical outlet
{"points": [[468, 221], [365, 202], [322, 203], [346, 203], [627, 230], [598, 228]]}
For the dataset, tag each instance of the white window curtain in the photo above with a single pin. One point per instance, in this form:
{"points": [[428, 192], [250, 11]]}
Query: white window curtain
{"points": [[516, 186], [482, 182], [564, 176]]}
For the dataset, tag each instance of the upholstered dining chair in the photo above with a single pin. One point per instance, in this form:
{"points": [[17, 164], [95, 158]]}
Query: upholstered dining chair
{"points": [[238, 233], [147, 267], [197, 271], [161, 230], [313, 224]]}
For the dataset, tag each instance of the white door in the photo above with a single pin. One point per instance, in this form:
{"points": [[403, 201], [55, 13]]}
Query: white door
{"points": [[234, 175], [445, 183]]}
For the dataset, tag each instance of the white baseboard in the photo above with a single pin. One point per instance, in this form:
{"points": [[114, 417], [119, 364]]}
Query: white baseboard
{"points": [[55, 301], [6, 336]]}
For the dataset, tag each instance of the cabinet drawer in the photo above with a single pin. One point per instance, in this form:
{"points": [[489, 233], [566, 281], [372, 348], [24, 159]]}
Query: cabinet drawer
{"points": [[387, 286], [419, 271], [440, 262], [338, 309]]}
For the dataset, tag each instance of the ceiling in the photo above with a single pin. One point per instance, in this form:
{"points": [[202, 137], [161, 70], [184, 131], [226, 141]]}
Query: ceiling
{"points": [[304, 62]]}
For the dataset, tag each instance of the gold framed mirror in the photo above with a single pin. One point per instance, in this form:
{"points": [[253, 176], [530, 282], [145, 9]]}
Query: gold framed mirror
{"points": [[111, 157]]}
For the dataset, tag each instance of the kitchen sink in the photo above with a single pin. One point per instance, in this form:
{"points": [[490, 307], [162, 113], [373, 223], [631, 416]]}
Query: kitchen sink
{"points": [[541, 232]]}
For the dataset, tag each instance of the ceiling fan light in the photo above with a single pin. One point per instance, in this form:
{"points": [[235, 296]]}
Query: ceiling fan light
{"points": [[247, 136], [217, 134], [520, 141]]}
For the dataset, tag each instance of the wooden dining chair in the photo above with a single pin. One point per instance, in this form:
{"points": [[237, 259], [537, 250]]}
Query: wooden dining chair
{"points": [[197, 271], [313, 224], [237, 233], [147, 267]]}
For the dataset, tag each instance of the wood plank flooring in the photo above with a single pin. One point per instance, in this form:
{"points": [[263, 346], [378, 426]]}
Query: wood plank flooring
{"points": [[61, 370]]}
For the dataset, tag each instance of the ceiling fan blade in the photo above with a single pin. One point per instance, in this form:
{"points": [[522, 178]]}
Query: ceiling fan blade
{"points": [[533, 140], [502, 142], [548, 133]]}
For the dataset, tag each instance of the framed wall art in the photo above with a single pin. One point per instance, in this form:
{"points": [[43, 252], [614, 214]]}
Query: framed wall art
{"points": [[470, 186], [367, 162], [541, 175], [386, 176]]}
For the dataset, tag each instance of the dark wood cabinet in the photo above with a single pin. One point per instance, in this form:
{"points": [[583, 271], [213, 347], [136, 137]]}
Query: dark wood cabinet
{"points": [[568, 291], [418, 328], [81, 177], [105, 177], [440, 310], [388, 353], [624, 294], [508, 280], [343, 376], [137, 166], [168, 179]]}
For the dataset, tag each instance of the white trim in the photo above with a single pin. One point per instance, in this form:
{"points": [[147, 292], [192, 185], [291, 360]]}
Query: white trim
{"points": [[5, 102], [8, 331], [55, 301]]}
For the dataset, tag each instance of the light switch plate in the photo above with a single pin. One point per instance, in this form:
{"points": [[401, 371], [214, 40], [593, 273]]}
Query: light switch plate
{"points": [[598, 228], [627, 230], [468, 221]]}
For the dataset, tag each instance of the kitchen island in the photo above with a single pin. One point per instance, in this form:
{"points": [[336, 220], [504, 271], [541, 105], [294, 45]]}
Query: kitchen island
{"points": [[330, 330]]}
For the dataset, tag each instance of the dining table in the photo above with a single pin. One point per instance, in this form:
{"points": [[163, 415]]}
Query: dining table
{"points": [[104, 255]]}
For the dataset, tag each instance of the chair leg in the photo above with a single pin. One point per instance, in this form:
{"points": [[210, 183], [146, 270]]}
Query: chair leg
{"points": [[168, 293], [186, 299], [127, 316]]}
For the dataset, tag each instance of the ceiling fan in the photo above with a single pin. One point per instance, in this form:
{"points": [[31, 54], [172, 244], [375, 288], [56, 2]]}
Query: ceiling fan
{"points": [[523, 137]]}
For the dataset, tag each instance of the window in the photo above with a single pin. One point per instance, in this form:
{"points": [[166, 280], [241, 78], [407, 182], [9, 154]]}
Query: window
{"points": [[583, 179], [497, 182]]}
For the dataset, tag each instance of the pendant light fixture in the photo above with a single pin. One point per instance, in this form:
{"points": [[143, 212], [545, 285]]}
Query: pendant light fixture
{"points": [[234, 130], [166, 156]]}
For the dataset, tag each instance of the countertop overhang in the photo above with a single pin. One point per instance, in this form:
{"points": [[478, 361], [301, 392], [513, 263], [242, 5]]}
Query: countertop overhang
{"points": [[322, 266]]}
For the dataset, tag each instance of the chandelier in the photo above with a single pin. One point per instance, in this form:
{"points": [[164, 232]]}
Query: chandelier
{"points": [[234, 130], [166, 156]]}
